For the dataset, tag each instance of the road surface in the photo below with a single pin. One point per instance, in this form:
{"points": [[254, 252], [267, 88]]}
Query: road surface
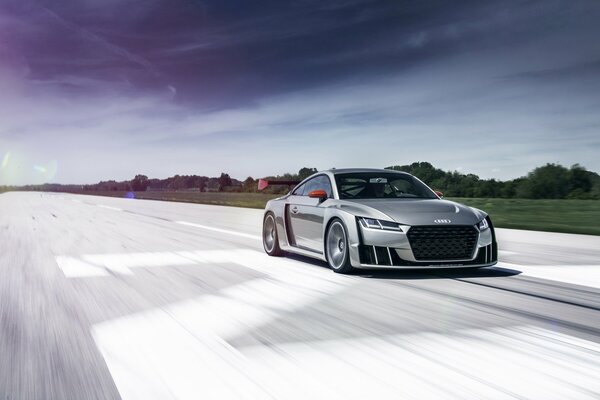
{"points": [[104, 298]]}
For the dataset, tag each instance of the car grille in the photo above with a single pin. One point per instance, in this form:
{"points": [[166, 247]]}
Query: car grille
{"points": [[442, 242]]}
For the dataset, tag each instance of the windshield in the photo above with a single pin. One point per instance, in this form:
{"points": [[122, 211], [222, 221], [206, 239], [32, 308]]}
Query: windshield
{"points": [[379, 185]]}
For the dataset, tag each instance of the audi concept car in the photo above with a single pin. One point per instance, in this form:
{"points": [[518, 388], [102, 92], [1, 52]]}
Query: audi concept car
{"points": [[371, 218]]}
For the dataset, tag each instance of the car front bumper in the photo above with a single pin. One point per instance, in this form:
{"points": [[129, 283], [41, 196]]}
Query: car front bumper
{"points": [[376, 249]]}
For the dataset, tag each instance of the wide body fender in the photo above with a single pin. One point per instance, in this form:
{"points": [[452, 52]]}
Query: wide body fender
{"points": [[331, 211]]}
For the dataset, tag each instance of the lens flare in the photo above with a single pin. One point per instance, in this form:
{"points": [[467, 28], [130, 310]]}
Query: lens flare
{"points": [[46, 172], [5, 160]]}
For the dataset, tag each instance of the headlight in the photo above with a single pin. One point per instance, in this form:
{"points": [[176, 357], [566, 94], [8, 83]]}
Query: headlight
{"points": [[483, 225], [379, 224]]}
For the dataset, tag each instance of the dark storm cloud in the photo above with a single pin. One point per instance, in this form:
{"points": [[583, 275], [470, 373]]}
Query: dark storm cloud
{"points": [[105, 75], [223, 52]]}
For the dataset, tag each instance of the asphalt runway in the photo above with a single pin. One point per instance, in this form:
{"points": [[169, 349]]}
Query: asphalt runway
{"points": [[104, 298]]}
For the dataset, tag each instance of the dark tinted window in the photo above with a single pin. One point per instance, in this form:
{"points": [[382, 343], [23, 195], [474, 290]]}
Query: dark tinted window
{"points": [[373, 185]]}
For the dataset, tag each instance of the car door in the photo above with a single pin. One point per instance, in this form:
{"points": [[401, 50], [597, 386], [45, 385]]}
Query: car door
{"points": [[306, 214]]}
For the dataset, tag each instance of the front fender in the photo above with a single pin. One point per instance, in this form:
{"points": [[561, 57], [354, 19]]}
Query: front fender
{"points": [[352, 229]]}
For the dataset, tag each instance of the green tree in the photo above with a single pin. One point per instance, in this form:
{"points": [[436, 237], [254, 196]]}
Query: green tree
{"points": [[249, 185], [580, 182], [140, 183], [224, 181], [548, 182], [305, 172], [177, 182]]}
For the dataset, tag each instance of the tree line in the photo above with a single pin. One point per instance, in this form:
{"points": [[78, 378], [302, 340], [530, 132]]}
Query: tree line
{"points": [[141, 183], [551, 181]]}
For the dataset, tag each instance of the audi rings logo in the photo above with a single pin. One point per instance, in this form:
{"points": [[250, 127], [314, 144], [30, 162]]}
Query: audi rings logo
{"points": [[442, 221]]}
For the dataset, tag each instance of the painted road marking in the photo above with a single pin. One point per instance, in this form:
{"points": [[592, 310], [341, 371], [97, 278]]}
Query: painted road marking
{"points": [[515, 362], [102, 265], [583, 275], [76, 268], [124, 263], [161, 355], [109, 207], [181, 351], [212, 228]]}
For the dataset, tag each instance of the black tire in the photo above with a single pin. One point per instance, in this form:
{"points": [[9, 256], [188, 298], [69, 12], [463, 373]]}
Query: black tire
{"points": [[269, 236], [337, 249]]}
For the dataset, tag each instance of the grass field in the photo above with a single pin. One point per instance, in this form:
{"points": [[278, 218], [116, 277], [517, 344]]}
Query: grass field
{"points": [[568, 216], [248, 200]]}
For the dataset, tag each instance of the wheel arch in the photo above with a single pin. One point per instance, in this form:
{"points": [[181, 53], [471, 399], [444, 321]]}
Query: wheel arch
{"points": [[352, 230], [277, 208]]}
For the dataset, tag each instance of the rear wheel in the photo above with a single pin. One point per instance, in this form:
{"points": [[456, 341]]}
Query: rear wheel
{"points": [[269, 236], [336, 248]]}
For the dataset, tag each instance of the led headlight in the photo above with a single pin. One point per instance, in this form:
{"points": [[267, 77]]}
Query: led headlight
{"points": [[483, 225], [380, 224]]}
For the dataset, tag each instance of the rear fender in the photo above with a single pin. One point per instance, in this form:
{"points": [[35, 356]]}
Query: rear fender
{"points": [[277, 207]]}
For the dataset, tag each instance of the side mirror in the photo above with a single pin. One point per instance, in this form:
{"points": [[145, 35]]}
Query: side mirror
{"points": [[439, 194], [318, 194]]}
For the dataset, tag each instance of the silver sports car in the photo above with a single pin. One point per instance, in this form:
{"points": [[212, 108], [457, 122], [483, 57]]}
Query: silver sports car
{"points": [[371, 218]]}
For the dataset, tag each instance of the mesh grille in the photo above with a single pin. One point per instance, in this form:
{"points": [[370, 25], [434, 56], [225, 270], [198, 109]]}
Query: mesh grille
{"points": [[442, 242]]}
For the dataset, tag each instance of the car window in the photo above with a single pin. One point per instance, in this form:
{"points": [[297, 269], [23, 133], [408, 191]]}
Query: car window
{"points": [[374, 185], [298, 190], [320, 182]]}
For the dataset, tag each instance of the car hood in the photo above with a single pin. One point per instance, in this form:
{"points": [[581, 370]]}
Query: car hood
{"points": [[418, 211]]}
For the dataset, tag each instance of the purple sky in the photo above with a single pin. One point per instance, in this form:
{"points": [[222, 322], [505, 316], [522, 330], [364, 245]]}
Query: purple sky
{"points": [[104, 89]]}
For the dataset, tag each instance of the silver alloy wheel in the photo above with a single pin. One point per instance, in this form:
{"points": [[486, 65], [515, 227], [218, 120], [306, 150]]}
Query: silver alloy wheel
{"points": [[336, 245], [269, 233]]}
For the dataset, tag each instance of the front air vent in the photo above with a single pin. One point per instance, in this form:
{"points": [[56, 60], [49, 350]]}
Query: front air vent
{"points": [[375, 255]]}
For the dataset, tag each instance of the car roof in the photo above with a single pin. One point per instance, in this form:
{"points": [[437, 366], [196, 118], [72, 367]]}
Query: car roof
{"points": [[358, 170]]}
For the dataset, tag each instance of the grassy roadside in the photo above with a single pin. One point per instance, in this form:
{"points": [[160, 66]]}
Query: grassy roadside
{"points": [[566, 216], [248, 200]]}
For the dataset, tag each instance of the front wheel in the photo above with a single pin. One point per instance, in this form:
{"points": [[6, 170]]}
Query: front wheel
{"points": [[336, 248], [269, 236]]}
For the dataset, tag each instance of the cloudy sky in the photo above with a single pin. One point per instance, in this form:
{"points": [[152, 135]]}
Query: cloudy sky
{"points": [[105, 89]]}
